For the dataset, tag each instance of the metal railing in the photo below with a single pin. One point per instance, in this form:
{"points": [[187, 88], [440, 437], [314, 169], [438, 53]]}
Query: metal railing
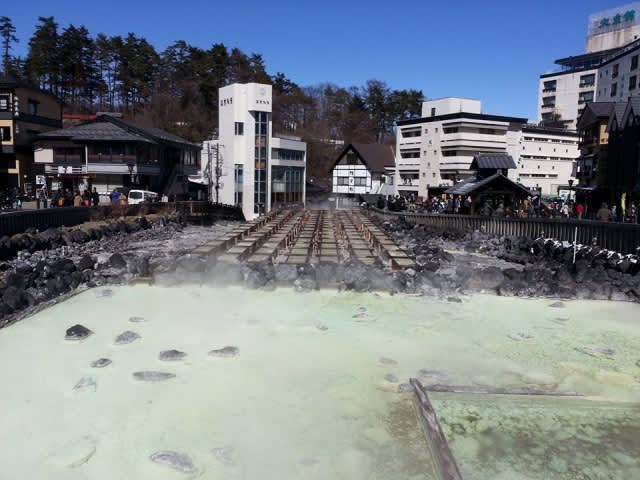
{"points": [[621, 237]]}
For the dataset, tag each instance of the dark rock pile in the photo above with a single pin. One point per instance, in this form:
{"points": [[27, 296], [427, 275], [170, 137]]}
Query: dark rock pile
{"points": [[40, 267], [531, 268]]}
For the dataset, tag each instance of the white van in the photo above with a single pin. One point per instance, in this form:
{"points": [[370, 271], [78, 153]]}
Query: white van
{"points": [[141, 196]]}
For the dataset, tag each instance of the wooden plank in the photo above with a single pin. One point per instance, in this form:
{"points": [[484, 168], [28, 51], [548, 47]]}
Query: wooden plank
{"points": [[474, 389], [443, 461]]}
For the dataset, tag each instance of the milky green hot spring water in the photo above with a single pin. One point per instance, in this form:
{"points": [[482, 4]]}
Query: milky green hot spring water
{"points": [[313, 389]]}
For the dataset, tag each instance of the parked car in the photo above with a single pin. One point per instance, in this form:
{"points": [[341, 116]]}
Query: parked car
{"points": [[142, 196]]}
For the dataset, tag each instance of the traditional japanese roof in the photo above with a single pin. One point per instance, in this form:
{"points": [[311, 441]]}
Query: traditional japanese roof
{"points": [[594, 111], [106, 128], [471, 185], [374, 156], [94, 131], [484, 161]]}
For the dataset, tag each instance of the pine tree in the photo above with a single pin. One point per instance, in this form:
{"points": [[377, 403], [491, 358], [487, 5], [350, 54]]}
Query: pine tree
{"points": [[7, 34], [42, 63]]}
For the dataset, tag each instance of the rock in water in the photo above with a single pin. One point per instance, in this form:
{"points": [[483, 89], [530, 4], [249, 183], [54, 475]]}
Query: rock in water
{"points": [[177, 461], [104, 293], [77, 332], [387, 361], [171, 355], [520, 336], [598, 352], [322, 327], [152, 376], [137, 319], [439, 376], [126, 337], [557, 305], [101, 363], [86, 383], [390, 377], [405, 388], [223, 454], [225, 352]]}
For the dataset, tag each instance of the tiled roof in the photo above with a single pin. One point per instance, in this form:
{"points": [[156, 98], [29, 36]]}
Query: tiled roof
{"points": [[155, 133], [95, 131], [492, 160], [108, 128], [469, 186]]}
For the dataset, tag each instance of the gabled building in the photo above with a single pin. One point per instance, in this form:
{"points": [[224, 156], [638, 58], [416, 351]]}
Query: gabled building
{"points": [[623, 172], [363, 169], [25, 112], [591, 166], [109, 152], [490, 183]]}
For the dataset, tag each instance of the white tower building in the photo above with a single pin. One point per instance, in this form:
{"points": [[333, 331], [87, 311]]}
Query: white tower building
{"points": [[259, 171]]}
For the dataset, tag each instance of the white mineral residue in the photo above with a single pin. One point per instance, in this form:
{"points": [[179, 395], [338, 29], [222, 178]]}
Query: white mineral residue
{"points": [[297, 401]]}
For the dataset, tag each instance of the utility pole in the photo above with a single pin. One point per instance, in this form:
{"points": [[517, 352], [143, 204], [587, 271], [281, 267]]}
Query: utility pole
{"points": [[218, 172], [209, 176]]}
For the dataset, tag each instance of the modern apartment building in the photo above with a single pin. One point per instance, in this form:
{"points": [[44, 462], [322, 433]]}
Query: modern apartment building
{"points": [[546, 160], [438, 148], [618, 77], [586, 77], [25, 112], [258, 170]]}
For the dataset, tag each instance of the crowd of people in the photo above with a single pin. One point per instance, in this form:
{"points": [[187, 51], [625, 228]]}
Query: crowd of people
{"points": [[532, 207]]}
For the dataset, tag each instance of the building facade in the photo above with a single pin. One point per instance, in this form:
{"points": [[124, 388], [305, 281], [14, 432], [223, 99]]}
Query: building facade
{"points": [[591, 76], [362, 169], [563, 95], [258, 171], [109, 152], [546, 160], [438, 148], [25, 112]]}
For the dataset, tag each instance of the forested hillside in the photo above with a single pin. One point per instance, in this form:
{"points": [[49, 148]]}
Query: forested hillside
{"points": [[176, 89]]}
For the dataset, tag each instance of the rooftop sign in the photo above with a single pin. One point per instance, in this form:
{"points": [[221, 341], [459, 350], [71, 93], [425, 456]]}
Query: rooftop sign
{"points": [[614, 19]]}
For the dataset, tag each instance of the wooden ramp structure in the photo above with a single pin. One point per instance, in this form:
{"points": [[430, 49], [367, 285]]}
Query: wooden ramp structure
{"points": [[308, 237], [443, 461]]}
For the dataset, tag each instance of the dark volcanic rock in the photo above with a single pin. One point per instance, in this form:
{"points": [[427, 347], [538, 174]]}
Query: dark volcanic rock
{"points": [[152, 376], [225, 352], [126, 337], [86, 262], [117, 261], [100, 363], [77, 332], [171, 355]]}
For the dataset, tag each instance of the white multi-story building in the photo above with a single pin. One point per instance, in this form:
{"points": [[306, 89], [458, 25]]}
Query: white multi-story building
{"points": [[257, 171], [618, 76], [362, 169], [562, 95], [438, 148], [546, 158], [586, 77]]}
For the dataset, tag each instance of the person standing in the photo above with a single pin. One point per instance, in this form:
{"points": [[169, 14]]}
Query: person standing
{"points": [[579, 210], [604, 214], [77, 199], [95, 198]]}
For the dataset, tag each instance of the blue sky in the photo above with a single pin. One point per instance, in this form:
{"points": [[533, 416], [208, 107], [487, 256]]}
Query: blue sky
{"points": [[490, 50]]}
